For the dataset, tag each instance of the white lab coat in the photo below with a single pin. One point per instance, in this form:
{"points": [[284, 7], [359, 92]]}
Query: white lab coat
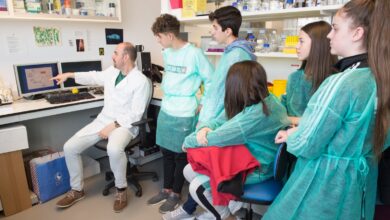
{"points": [[124, 103]]}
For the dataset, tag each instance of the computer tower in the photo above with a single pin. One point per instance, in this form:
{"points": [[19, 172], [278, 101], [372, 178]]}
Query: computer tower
{"points": [[144, 62]]}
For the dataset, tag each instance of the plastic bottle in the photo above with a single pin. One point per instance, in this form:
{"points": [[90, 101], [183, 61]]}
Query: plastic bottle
{"points": [[299, 3], [228, 3], [111, 10], [289, 4], [273, 41], [322, 2], [251, 38], [68, 10], [239, 4], [262, 42], [274, 5], [265, 5], [310, 3], [245, 5], [254, 5]]}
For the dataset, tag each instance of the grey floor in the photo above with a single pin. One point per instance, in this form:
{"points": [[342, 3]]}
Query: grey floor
{"points": [[96, 207]]}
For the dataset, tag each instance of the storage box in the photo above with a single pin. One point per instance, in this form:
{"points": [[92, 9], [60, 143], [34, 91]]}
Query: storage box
{"points": [[290, 45], [16, 136], [191, 8], [279, 87], [33, 6], [176, 4]]}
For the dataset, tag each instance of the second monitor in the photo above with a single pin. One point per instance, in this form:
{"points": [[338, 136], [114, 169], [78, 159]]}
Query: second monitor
{"points": [[82, 66]]}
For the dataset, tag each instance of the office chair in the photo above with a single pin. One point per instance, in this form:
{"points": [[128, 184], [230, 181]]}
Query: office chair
{"points": [[264, 193], [132, 173]]}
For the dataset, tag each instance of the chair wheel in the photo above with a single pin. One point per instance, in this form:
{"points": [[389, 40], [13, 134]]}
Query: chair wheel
{"points": [[106, 192], [155, 178], [138, 193], [109, 176]]}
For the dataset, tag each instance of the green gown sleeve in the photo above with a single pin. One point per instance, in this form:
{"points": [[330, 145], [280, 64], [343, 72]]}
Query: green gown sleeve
{"points": [[229, 133], [205, 71], [213, 105], [331, 114]]}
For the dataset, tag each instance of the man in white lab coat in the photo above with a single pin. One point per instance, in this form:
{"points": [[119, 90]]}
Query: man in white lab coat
{"points": [[126, 93]]}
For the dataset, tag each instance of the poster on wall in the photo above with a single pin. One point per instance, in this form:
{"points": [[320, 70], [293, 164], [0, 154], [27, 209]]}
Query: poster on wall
{"points": [[47, 37], [81, 40], [114, 36], [15, 44], [80, 45]]}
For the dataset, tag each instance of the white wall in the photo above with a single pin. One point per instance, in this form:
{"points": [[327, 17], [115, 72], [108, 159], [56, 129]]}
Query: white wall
{"points": [[137, 19]]}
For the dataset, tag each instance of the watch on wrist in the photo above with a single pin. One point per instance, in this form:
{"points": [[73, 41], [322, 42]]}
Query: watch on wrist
{"points": [[117, 125]]}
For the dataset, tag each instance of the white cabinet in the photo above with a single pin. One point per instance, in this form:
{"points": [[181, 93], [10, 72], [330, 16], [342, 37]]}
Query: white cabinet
{"points": [[12, 14]]}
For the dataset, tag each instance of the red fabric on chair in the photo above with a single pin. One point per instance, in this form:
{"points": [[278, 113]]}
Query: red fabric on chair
{"points": [[222, 164]]}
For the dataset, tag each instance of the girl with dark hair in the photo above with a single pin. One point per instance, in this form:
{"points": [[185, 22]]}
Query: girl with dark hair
{"points": [[251, 117], [336, 170], [313, 50], [379, 60]]}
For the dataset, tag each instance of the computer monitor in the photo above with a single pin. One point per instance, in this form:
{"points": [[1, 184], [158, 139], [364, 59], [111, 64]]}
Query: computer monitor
{"points": [[82, 66], [34, 79]]}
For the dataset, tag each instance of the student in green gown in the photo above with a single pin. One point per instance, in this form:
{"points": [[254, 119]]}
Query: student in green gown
{"points": [[185, 68], [313, 50], [336, 171]]}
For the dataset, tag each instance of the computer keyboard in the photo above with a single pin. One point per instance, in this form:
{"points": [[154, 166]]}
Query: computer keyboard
{"points": [[57, 98]]}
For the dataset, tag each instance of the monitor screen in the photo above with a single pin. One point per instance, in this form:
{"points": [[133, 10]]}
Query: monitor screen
{"points": [[35, 78], [83, 66]]}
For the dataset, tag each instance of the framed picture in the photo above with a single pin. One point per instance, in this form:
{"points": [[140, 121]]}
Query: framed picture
{"points": [[114, 36]]}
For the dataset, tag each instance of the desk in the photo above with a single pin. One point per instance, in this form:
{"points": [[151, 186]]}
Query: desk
{"points": [[23, 110]]}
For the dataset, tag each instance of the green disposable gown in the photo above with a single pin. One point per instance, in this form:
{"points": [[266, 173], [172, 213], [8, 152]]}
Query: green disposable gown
{"points": [[213, 105], [252, 128], [335, 175], [298, 93], [185, 69]]}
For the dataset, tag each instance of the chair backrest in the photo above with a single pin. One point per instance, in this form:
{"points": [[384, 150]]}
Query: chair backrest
{"points": [[144, 128], [281, 162], [151, 88]]}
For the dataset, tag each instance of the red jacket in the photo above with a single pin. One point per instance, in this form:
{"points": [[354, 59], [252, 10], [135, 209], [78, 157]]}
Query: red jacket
{"points": [[222, 164]]}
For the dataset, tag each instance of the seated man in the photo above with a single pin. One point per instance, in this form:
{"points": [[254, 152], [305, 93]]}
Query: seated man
{"points": [[125, 98]]}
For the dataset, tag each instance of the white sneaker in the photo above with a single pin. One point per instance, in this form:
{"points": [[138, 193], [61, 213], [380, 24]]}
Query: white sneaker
{"points": [[178, 214], [205, 216], [234, 206]]}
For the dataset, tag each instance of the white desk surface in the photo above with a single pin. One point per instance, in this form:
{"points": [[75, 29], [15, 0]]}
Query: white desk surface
{"points": [[22, 109]]}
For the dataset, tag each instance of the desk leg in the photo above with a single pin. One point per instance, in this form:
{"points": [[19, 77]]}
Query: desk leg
{"points": [[14, 192]]}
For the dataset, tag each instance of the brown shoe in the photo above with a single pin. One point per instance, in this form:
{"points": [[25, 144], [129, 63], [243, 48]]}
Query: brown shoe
{"points": [[120, 200], [70, 198]]}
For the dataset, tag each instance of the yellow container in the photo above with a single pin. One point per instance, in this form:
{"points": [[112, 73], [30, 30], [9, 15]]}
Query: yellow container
{"points": [[290, 44], [193, 7], [279, 87]]}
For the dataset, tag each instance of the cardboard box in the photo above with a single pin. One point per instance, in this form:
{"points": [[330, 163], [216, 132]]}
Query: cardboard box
{"points": [[191, 8]]}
